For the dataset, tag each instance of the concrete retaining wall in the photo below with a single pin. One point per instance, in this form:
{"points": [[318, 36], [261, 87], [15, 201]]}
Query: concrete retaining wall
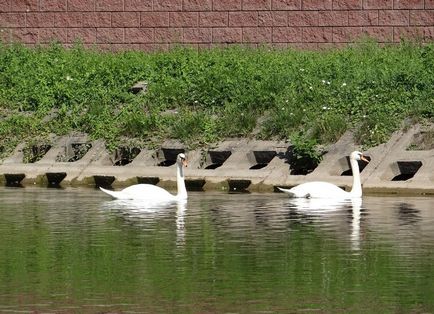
{"points": [[398, 166], [159, 24]]}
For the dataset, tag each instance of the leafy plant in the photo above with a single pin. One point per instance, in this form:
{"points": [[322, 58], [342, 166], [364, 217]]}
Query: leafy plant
{"points": [[217, 93], [305, 154]]}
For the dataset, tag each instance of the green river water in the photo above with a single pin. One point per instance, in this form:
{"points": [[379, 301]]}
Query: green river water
{"points": [[76, 251]]}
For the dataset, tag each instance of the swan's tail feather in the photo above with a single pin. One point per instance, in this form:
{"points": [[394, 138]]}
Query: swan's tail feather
{"points": [[113, 194], [287, 191]]}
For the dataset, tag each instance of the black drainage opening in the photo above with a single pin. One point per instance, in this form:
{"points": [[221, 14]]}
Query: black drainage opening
{"points": [[125, 155], [258, 166], [263, 158], [14, 179], [74, 152], [194, 185], [217, 159], [169, 155], [362, 165], [239, 186], [407, 170], [104, 181], [78, 150], [300, 163], [35, 153], [54, 178], [148, 180]]}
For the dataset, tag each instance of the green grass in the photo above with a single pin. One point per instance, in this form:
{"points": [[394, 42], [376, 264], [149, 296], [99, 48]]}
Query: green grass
{"points": [[201, 97]]}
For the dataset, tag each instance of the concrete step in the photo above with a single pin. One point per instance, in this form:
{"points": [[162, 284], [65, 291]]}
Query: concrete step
{"points": [[397, 166]]}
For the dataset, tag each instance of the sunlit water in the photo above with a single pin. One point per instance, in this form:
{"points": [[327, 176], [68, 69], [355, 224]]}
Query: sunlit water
{"points": [[76, 251]]}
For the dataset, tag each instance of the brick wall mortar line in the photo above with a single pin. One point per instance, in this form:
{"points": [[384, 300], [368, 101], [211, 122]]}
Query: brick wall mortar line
{"points": [[377, 21]]}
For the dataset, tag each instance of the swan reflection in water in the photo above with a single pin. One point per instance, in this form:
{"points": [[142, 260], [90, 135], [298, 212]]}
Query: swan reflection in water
{"points": [[139, 211], [331, 209]]}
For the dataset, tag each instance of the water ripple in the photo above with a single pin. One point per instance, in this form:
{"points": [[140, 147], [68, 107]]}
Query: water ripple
{"points": [[75, 250]]}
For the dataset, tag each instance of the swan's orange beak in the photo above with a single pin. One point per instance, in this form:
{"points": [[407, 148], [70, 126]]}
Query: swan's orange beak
{"points": [[185, 162], [364, 159]]}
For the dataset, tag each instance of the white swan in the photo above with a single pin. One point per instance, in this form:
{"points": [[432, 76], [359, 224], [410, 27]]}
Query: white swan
{"points": [[153, 193], [328, 190]]}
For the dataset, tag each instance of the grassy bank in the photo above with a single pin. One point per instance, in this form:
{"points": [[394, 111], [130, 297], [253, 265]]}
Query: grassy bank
{"points": [[202, 97]]}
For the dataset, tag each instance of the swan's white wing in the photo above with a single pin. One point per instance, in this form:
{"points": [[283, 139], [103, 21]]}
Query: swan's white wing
{"points": [[152, 193], [317, 190], [141, 192]]}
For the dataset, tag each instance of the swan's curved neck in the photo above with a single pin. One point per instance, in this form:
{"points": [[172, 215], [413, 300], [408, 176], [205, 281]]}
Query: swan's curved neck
{"points": [[356, 190], [182, 191]]}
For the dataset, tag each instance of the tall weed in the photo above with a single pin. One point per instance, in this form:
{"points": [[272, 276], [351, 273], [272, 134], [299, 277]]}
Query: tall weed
{"points": [[203, 96]]}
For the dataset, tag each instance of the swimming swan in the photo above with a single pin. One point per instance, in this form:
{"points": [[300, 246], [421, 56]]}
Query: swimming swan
{"points": [[328, 190], [155, 193]]}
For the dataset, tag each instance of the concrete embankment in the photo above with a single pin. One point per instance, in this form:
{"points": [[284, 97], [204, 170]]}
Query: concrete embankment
{"points": [[396, 167]]}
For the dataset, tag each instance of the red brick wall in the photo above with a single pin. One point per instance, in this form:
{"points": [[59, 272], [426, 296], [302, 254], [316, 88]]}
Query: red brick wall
{"points": [[156, 24]]}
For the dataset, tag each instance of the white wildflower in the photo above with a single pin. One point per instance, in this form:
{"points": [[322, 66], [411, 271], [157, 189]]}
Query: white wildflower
{"points": [[344, 84], [68, 78]]}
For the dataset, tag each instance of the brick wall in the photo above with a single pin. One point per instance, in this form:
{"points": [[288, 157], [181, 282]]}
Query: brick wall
{"points": [[159, 24]]}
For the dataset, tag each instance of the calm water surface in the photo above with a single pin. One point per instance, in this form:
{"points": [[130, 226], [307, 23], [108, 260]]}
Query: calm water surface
{"points": [[76, 251]]}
